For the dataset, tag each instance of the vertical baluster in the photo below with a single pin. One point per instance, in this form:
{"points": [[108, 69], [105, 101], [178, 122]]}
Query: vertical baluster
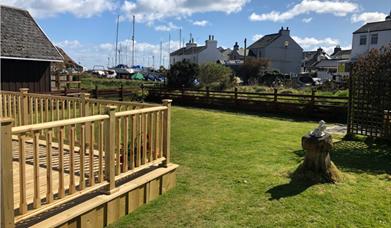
{"points": [[92, 108], [69, 109], [36, 110], [61, 191], [149, 137], [101, 139], [82, 153], [19, 110], [118, 146], [37, 197], [63, 110], [139, 127], [144, 138], [57, 109], [41, 108], [14, 109], [161, 133], [74, 108], [9, 106], [91, 155], [31, 110], [52, 109], [1, 105], [46, 109], [125, 147], [133, 142], [49, 178], [72, 159], [22, 175], [156, 124]]}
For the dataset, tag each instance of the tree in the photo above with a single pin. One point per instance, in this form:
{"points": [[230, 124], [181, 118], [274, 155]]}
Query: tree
{"points": [[215, 76], [182, 74], [253, 69]]}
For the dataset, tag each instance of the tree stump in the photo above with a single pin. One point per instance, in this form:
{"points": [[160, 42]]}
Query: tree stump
{"points": [[317, 165]]}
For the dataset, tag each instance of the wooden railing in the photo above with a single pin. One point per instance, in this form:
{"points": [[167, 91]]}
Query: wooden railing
{"points": [[61, 160], [31, 108]]}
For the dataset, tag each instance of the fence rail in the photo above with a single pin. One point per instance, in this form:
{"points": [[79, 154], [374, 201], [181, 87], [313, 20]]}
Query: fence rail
{"points": [[60, 160], [311, 105]]}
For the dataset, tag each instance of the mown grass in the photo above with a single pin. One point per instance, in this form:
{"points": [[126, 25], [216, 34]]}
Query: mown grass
{"points": [[234, 171]]}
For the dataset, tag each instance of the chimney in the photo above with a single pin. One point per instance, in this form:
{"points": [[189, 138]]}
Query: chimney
{"points": [[284, 32], [236, 46], [211, 43], [336, 50], [388, 18]]}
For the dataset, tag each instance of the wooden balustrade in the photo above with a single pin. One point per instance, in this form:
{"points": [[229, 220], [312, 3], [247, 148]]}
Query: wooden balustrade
{"points": [[61, 156]]}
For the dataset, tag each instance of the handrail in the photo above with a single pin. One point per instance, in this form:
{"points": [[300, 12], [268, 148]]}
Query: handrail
{"points": [[58, 123], [140, 111]]}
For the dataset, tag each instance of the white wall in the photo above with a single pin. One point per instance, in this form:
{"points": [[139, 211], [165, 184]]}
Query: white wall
{"points": [[384, 37]]}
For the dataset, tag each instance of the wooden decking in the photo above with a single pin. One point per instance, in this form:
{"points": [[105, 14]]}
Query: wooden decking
{"points": [[43, 171]]}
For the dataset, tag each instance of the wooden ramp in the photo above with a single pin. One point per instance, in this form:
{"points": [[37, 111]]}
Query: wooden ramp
{"points": [[29, 166]]}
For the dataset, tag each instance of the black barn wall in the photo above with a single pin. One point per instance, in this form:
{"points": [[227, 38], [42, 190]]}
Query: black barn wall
{"points": [[16, 74]]}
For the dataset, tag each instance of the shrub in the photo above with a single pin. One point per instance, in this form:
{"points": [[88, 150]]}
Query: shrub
{"points": [[182, 74], [253, 69], [215, 76]]}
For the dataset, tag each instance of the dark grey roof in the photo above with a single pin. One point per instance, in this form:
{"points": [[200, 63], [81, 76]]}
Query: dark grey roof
{"points": [[21, 37], [188, 51], [374, 26], [343, 54], [264, 41]]}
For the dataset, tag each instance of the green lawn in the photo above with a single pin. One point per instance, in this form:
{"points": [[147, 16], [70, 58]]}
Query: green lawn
{"points": [[234, 171]]}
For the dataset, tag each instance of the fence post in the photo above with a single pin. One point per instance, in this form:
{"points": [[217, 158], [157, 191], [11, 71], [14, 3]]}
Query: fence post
{"points": [[207, 94], [96, 92], [121, 92], [313, 91], [236, 95], [275, 95], [183, 91], [109, 125], [6, 175], [24, 105], [167, 132]]}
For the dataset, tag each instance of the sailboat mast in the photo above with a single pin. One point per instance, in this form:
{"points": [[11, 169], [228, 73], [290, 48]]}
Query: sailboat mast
{"points": [[133, 41], [116, 41]]}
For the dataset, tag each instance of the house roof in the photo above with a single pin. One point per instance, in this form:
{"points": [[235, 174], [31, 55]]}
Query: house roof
{"points": [[342, 54], [374, 26], [265, 41], [188, 50], [22, 38]]}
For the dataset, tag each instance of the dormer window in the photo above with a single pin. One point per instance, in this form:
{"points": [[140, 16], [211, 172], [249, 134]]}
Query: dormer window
{"points": [[374, 38], [363, 39]]}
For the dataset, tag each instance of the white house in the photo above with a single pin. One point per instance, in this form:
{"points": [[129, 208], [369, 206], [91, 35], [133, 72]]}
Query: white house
{"points": [[198, 54], [371, 35]]}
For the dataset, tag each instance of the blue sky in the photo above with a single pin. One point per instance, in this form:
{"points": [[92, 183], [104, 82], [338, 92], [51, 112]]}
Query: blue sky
{"points": [[86, 28]]}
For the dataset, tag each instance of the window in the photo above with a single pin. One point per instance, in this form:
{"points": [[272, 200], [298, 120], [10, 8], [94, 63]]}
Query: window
{"points": [[374, 38], [363, 39]]}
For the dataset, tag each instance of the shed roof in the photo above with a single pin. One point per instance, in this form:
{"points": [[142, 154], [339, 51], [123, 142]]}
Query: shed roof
{"points": [[22, 38], [265, 41], [374, 27]]}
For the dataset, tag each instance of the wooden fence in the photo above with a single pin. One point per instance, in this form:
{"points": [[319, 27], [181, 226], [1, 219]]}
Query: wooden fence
{"points": [[331, 108], [63, 158]]}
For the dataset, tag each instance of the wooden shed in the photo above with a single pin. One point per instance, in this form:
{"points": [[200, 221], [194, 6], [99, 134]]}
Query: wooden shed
{"points": [[26, 52]]}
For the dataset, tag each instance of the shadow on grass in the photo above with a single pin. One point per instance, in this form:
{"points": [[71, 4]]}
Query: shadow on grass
{"points": [[293, 188]]}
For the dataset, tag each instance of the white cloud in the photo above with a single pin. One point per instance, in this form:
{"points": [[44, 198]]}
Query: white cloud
{"points": [[307, 20], [68, 44], [337, 8], [166, 28], [368, 17], [48, 8], [152, 10], [257, 37], [201, 23], [309, 43]]}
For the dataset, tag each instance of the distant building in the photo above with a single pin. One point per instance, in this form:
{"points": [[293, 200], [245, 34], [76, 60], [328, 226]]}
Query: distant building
{"points": [[26, 52], [280, 49], [198, 54], [371, 35], [311, 58]]}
